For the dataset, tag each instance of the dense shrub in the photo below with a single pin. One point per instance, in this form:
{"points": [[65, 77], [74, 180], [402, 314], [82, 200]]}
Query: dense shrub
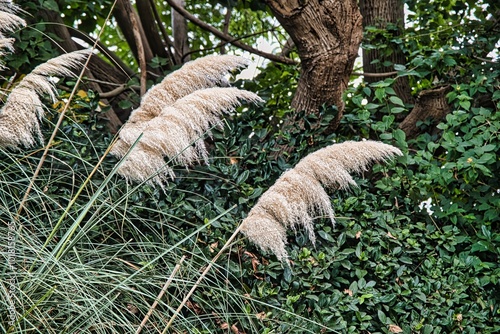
{"points": [[415, 248]]}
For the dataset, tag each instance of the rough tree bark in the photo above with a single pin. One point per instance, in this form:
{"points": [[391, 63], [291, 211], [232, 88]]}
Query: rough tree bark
{"points": [[123, 13], [180, 32], [381, 13], [327, 34], [430, 104]]}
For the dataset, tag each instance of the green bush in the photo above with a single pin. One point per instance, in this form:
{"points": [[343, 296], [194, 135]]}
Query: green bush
{"points": [[415, 248]]}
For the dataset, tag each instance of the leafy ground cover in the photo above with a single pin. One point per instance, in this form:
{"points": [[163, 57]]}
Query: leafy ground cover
{"points": [[415, 248]]}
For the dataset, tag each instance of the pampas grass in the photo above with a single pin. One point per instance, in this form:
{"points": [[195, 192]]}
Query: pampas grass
{"points": [[19, 117], [299, 194], [205, 72], [174, 115], [9, 22]]}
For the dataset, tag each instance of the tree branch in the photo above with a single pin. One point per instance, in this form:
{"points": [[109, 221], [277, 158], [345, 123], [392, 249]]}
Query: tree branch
{"points": [[229, 38], [164, 33], [225, 29], [105, 51], [223, 43], [117, 91], [140, 51], [430, 104]]}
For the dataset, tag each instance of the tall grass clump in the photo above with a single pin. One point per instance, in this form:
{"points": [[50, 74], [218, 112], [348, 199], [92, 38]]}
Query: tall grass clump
{"points": [[91, 253]]}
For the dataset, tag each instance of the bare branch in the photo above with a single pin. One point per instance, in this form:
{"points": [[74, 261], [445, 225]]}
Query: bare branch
{"points": [[140, 51], [164, 33], [105, 51], [228, 38]]}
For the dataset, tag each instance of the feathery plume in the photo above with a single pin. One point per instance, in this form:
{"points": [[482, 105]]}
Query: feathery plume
{"points": [[6, 46], [299, 195], [205, 72], [8, 6], [9, 21], [174, 133], [19, 117]]}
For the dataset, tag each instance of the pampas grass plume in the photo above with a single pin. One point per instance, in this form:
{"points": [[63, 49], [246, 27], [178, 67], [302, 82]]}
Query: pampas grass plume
{"points": [[19, 117], [9, 21], [201, 73], [174, 116], [299, 194], [177, 133]]}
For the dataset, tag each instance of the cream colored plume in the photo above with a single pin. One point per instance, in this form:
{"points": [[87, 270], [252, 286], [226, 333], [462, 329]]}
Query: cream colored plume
{"points": [[177, 133], [19, 117], [8, 6], [9, 22], [298, 196], [205, 72]]}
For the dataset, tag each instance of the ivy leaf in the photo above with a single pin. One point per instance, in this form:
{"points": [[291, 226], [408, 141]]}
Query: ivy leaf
{"points": [[382, 317], [380, 94], [465, 104], [51, 4], [396, 100], [449, 61]]}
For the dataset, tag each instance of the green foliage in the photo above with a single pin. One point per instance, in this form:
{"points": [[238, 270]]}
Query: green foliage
{"points": [[415, 247]]}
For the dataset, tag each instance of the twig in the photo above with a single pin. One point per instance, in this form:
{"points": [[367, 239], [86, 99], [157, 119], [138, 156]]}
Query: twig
{"points": [[225, 29], [114, 92], [228, 38], [160, 295], [140, 50], [159, 21], [485, 60], [202, 276]]}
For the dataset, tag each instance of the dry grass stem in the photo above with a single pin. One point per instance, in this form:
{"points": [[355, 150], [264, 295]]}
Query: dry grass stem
{"points": [[299, 194], [19, 117]]}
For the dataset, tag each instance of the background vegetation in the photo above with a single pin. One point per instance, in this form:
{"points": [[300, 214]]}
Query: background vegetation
{"points": [[415, 248]]}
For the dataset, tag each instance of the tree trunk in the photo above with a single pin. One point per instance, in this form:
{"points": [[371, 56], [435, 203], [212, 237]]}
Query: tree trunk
{"points": [[180, 33], [327, 34], [380, 14], [123, 14]]}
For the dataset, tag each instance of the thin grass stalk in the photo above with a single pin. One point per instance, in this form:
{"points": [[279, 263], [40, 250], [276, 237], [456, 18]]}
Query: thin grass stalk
{"points": [[202, 276], [60, 119], [67, 237], [148, 264], [45, 296], [160, 295], [73, 200]]}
